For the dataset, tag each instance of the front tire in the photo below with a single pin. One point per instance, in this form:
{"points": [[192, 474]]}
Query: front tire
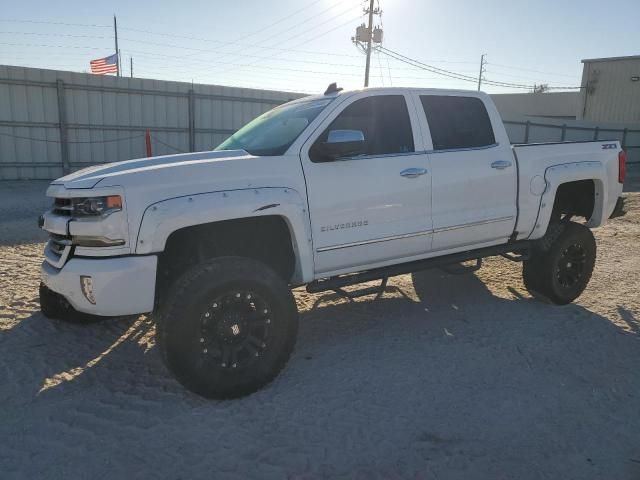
{"points": [[562, 271], [228, 327]]}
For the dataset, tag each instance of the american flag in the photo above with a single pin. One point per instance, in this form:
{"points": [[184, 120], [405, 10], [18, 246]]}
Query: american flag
{"points": [[109, 64]]}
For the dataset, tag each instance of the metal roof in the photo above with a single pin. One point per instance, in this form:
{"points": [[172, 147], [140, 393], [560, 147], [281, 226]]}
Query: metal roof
{"points": [[611, 59]]}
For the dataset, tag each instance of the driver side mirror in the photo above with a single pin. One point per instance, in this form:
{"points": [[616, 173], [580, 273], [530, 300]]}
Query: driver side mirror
{"points": [[343, 143]]}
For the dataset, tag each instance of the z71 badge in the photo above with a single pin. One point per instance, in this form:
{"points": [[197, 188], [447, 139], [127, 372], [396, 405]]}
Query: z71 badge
{"points": [[609, 146], [340, 226]]}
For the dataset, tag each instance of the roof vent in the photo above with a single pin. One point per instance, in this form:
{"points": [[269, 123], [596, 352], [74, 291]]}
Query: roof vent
{"points": [[332, 88]]}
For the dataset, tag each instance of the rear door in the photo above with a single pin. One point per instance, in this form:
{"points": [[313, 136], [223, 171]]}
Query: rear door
{"points": [[373, 208], [474, 173]]}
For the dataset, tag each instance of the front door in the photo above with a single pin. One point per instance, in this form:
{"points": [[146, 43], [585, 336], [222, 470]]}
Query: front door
{"points": [[375, 207]]}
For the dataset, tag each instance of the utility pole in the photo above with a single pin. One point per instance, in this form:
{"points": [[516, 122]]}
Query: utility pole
{"points": [[131, 66], [366, 35], [369, 39], [115, 31], [482, 64]]}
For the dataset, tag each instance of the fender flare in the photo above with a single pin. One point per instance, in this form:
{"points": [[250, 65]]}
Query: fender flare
{"points": [[557, 175], [162, 218]]}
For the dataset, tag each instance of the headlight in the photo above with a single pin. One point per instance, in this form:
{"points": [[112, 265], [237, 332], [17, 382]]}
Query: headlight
{"points": [[96, 206]]}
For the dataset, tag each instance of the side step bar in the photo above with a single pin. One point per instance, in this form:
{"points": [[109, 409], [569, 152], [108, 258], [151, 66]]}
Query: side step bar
{"points": [[521, 249]]}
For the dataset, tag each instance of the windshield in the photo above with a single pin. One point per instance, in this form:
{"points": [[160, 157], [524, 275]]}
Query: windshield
{"points": [[273, 132]]}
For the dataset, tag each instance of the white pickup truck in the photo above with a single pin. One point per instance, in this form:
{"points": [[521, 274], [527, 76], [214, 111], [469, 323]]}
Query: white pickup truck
{"points": [[326, 191]]}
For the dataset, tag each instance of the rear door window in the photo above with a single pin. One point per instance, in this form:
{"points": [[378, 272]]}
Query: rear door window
{"points": [[457, 122]]}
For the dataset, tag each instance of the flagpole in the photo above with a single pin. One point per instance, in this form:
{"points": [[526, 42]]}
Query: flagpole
{"points": [[131, 67], [115, 30]]}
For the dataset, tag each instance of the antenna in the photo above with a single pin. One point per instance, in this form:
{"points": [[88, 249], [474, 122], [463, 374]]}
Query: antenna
{"points": [[332, 88]]}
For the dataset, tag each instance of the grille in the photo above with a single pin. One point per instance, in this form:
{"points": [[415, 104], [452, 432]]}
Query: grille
{"points": [[58, 243], [62, 206]]}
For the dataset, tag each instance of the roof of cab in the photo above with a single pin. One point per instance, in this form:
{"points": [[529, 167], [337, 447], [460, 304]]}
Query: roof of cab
{"points": [[391, 90]]}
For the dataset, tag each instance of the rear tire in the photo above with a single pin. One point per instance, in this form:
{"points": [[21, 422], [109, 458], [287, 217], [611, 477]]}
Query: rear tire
{"points": [[562, 271], [228, 327]]}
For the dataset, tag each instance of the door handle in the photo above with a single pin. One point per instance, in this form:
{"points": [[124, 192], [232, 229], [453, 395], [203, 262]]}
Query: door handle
{"points": [[413, 172], [501, 164]]}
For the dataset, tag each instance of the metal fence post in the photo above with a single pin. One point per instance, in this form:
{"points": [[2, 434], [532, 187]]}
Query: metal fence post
{"points": [[624, 138], [147, 143], [192, 121], [563, 137], [526, 131], [595, 133], [62, 125]]}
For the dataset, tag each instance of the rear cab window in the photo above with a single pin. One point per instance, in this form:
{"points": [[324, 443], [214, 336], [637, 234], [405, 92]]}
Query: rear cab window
{"points": [[457, 122]]}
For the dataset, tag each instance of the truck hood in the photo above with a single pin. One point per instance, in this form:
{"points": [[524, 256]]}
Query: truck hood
{"points": [[119, 172], [150, 181]]}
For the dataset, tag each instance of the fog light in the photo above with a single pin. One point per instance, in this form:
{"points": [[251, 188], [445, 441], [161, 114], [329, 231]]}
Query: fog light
{"points": [[86, 284]]}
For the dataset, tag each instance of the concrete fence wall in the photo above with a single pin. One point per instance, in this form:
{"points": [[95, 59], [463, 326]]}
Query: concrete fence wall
{"points": [[53, 122]]}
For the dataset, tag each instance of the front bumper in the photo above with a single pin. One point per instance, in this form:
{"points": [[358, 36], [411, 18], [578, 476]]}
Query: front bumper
{"points": [[121, 285]]}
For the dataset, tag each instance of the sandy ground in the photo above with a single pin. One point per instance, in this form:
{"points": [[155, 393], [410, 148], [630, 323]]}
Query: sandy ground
{"points": [[445, 377]]}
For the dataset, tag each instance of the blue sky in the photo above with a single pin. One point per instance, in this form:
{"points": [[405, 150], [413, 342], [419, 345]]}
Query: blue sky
{"points": [[303, 45]]}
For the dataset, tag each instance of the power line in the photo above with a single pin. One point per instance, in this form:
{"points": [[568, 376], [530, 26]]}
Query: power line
{"points": [[277, 22], [449, 73], [40, 22], [531, 70], [520, 77], [69, 35], [261, 58], [84, 47], [152, 55], [191, 48], [459, 76], [208, 64], [81, 47], [313, 17], [268, 27], [157, 57], [344, 12], [199, 39], [235, 54], [271, 68], [431, 68], [295, 36]]}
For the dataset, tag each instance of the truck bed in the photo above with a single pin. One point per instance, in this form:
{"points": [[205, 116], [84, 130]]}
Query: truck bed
{"points": [[544, 166]]}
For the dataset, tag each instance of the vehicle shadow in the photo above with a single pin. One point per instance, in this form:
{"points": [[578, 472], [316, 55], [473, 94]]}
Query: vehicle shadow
{"points": [[48, 356], [438, 365], [629, 318]]}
